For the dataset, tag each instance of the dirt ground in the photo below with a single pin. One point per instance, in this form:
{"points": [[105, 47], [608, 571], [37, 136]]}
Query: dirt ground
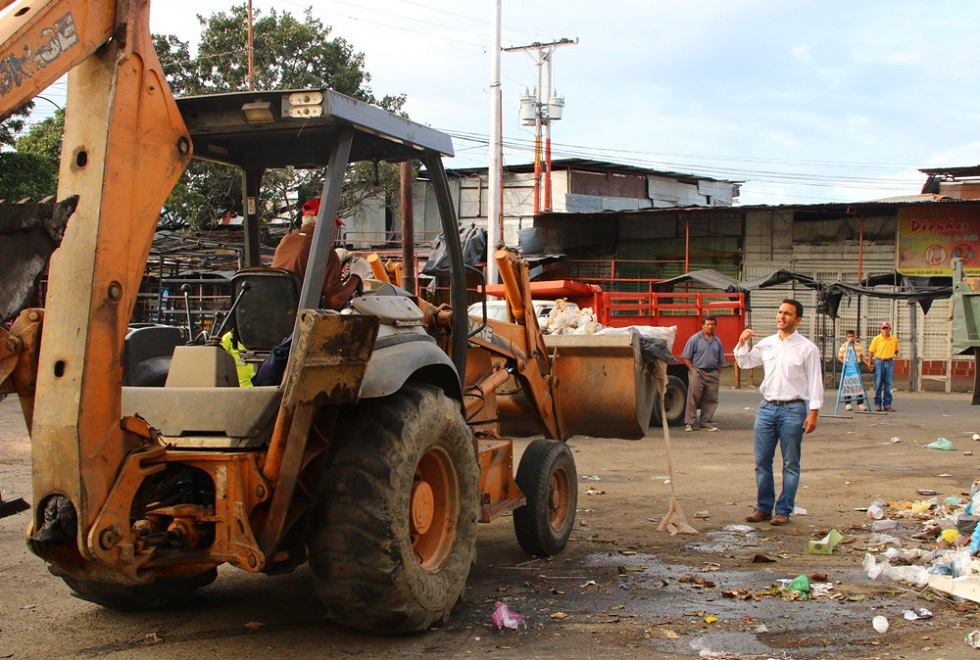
{"points": [[621, 589]]}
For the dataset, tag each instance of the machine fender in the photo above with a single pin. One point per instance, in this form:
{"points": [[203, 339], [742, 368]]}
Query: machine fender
{"points": [[421, 361]]}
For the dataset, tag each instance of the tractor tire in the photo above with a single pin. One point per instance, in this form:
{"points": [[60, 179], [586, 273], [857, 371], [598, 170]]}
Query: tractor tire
{"points": [[161, 593], [549, 481], [393, 534], [675, 402]]}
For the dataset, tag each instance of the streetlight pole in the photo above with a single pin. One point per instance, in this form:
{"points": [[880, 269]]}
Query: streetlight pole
{"points": [[495, 234]]}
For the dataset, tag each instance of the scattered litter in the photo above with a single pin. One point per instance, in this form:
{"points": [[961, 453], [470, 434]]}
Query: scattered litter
{"points": [[973, 639], [558, 616], [944, 475], [762, 559], [927, 492], [942, 444], [895, 440], [880, 624], [152, 638], [801, 585], [701, 514], [254, 625], [710, 619], [591, 477], [950, 535], [917, 613], [593, 491], [587, 583], [884, 525], [825, 546], [968, 452], [799, 511], [504, 617], [976, 436], [875, 510]]}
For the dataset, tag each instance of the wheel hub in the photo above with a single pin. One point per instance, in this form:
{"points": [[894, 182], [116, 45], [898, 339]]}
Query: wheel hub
{"points": [[423, 507]]}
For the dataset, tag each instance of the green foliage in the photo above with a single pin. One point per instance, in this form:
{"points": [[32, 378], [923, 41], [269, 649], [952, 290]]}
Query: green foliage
{"points": [[44, 138], [24, 175], [10, 127]]}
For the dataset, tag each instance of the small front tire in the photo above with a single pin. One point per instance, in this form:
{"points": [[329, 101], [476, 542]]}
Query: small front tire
{"points": [[675, 402], [549, 481]]}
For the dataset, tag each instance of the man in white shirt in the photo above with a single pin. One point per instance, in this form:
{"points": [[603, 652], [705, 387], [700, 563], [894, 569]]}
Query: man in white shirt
{"points": [[792, 393]]}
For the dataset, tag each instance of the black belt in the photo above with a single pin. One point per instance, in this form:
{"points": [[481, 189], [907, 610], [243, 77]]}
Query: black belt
{"points": [[884, 359], [784, 403]]}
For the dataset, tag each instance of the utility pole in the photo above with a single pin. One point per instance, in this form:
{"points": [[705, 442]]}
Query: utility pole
{"points": [[251, 50], [495, 219], [540, 110]]}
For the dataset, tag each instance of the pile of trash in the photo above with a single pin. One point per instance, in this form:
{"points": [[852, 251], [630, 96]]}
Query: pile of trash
{"points": [[925, 538], [565, 319]]}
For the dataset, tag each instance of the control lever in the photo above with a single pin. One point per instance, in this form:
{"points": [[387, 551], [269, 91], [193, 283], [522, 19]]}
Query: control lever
{"points": [[186, 290], [216, 337]]}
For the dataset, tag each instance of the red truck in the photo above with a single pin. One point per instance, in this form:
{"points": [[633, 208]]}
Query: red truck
{"points": [[686, 310]]}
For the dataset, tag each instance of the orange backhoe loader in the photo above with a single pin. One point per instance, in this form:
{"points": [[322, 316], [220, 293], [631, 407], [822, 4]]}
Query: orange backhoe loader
{"points": [[379, 452]]}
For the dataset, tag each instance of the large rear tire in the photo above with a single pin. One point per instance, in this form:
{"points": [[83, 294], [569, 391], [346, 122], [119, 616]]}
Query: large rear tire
{"points": [[393, 536], [161, 593], [548, 479], [675, 402]]}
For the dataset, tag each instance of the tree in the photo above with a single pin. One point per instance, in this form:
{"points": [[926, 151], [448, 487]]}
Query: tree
{"points": [[288, 54], [32, 170]]}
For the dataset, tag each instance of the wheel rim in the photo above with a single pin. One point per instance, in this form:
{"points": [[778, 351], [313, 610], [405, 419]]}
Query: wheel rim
{"points": [[559, 500], [673, 402], [432, 508]]}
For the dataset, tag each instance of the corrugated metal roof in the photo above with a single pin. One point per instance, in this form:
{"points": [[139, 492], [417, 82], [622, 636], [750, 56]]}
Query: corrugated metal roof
{"points": [[589, 165], [967, 171]]}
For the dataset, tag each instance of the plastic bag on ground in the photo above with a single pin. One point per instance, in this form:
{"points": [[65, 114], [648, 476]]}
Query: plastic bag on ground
{"points": [[504, 617]]}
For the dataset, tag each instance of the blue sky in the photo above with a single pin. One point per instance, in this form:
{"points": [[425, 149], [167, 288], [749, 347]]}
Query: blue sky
{"points": [[806, 101]]}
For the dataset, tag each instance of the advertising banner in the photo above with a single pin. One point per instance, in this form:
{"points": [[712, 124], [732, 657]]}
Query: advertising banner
{"points": [[929, 236]]}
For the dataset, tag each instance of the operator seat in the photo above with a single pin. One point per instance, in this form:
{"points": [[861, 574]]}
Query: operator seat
{"points": [[267, 312]]}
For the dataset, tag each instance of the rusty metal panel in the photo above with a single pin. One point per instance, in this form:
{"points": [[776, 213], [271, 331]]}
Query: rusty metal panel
{"points": [[329, 359]]}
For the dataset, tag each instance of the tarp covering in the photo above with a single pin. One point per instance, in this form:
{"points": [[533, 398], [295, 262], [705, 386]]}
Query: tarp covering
{"points": [[921, 289]]}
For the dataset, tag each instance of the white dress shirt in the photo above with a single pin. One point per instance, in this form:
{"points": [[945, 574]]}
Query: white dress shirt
{"points": [[792, 367]]}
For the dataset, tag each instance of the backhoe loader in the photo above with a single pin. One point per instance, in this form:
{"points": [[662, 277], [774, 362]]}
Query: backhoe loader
{"points": [[378, 454]]}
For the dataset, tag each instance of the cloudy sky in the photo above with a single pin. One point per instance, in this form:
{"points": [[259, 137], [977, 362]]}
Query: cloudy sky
{"points": [[805, 101]]}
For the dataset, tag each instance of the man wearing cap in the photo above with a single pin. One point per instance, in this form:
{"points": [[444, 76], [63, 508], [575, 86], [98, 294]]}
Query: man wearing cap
{"points": [[881, 359], [293, 254]]}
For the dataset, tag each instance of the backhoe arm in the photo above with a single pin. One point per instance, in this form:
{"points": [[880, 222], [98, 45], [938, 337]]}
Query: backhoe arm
{"points": [[125, 145], [41, 41]]}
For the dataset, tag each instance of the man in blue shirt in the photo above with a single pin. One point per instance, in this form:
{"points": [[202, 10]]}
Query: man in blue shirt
{"points": [[704, 357]]}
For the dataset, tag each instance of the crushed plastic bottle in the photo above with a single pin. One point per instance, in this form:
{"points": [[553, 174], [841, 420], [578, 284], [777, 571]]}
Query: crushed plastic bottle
{"points": [[884, 525]]}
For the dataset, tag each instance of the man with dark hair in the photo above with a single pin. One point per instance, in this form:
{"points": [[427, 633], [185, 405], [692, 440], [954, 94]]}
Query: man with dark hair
{"points": [[704, 356], [792, 393]]}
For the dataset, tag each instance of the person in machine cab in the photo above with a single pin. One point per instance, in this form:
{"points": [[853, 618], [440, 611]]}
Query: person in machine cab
{"points": [[293, 254]]}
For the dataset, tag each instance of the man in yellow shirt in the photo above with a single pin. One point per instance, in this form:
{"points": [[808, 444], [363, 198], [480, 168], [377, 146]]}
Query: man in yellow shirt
{"points": [[882, 352]]}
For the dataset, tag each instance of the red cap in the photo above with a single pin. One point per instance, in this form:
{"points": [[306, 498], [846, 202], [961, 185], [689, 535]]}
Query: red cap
{"points": [[886, 324], [312, 207]]}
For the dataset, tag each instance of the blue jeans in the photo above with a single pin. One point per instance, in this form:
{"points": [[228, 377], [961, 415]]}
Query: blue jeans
{"points": [[884, 378], [782, 425]]}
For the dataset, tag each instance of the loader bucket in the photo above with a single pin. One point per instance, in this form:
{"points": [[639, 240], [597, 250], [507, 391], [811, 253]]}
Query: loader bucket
{"points": [[29, 233], [604, 386]]}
